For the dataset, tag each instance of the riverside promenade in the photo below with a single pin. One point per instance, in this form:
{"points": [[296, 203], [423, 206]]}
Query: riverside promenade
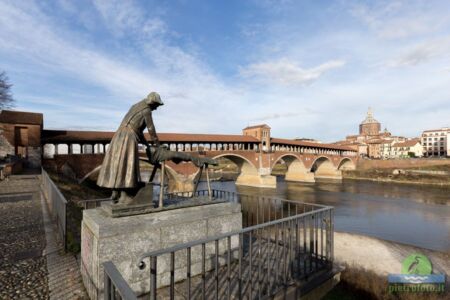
{"points": [[32, 261]]}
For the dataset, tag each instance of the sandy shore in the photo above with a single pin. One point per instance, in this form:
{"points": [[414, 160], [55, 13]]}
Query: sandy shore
{"points": [[382, 257]]}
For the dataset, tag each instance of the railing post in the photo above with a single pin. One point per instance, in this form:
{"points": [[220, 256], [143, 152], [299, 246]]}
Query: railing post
{"points": [[153, 264], [107, 287], [332, 235]]}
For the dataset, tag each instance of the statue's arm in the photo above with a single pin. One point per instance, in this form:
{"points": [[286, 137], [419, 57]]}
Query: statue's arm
{"points": [[151, 127]]}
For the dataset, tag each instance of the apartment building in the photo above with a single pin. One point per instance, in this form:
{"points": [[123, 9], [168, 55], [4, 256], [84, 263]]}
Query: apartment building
{"points": [[411, 148], [436, 142]]}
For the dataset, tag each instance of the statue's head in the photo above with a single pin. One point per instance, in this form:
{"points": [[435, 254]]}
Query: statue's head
{"points": [[153, 100]]}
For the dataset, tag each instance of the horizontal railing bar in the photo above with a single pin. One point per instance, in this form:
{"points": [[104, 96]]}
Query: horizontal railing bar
{"points": [[272, 198], [284, 200], [117, 280], [95, 200], [226, 235]]}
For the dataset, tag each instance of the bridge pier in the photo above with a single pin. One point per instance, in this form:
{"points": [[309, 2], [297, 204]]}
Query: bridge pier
{"points": [[323, 168], [300, 177], [328, 173], [257, 180], [297, 172]]}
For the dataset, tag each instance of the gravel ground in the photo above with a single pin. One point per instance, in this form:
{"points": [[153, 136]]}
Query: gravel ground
{"points": [[23, 269]]}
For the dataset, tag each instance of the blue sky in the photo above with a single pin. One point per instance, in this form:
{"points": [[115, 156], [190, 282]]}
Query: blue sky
{"points": [[306, 68]]}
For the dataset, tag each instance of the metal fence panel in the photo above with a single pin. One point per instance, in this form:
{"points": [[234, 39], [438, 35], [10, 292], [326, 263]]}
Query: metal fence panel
{"points": [[282, 242], [56, 203]]}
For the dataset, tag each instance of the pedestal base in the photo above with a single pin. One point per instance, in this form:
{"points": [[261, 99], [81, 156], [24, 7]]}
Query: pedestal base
{"points": [[123, 240]]}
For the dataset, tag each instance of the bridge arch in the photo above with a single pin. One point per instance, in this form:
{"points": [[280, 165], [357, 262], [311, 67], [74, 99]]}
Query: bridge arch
{"points": [[243, 163], [323, 168], [296, 169], [249, 174], [287, 158], [346, 164], [48, 151]]}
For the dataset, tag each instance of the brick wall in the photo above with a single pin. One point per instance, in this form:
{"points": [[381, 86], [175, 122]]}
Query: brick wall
{"points": [[81, 164]]}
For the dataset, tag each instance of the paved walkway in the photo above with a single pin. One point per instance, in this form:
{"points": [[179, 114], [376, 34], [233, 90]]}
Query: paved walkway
{"points": [[32, 263]]}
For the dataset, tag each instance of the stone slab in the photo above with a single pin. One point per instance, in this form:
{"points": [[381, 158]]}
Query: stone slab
{"points": [[123, 241], [123, 210]]}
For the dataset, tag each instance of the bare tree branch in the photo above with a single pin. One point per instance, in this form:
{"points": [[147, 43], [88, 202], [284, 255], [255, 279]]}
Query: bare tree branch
{"points": [[6, 98]]}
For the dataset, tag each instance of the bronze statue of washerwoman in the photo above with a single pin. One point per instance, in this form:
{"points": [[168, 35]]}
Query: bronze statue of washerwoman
{"points": [[120, 168]]}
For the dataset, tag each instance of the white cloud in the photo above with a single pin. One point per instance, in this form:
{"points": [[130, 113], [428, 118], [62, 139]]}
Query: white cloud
{"points": [[197, 98], [191, 91], [400, 19], [277, 116], [125, 16], [422, 53], [286, 72]]}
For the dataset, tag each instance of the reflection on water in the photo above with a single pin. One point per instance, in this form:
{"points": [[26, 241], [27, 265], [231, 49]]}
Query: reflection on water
{"points": [[415, 215]]}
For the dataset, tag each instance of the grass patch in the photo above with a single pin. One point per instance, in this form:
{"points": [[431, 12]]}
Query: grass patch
{"points": [[73, 191]]}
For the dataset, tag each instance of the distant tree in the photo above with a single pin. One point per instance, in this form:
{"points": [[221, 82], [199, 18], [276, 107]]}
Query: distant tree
{"points": [[6, 99]]}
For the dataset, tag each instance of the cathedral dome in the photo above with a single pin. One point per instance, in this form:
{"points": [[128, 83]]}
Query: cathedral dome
{"points": [[369, 126], [369, 118]]}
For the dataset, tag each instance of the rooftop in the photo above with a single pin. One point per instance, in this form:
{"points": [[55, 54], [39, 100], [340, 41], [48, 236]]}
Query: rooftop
{"points": [[409, 143], [104, 136], [21, 117], [257, 126], [309, 144], [438, 130]]}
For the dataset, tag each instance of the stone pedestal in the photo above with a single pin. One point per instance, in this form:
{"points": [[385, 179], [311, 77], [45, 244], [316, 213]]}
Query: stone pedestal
{"points": [[123, 240]]}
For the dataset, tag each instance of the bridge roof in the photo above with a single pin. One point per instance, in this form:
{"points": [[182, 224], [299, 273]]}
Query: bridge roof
{"points": [[207, 138], [310, 144], [73, 136]]}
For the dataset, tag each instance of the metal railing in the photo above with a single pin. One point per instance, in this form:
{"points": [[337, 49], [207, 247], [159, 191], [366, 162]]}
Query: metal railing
{"points": [[56, 203], [93, 203], [282, 243], [115, 286], [222, 195]]}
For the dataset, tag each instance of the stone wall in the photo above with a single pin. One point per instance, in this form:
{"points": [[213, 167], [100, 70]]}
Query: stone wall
{"points": [[366, 164], [5, 146]]}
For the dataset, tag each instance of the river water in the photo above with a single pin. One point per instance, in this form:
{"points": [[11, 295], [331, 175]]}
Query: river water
{"points": [[409, 214]]}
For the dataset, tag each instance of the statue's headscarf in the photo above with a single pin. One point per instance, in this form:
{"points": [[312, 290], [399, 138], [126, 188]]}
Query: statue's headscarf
{"points": [[153, 98]]}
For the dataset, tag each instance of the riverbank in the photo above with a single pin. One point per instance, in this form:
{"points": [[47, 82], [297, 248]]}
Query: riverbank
{"points": [[368, 261], [403, 163], [445, 184], [431, 175], [381, 256]]}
